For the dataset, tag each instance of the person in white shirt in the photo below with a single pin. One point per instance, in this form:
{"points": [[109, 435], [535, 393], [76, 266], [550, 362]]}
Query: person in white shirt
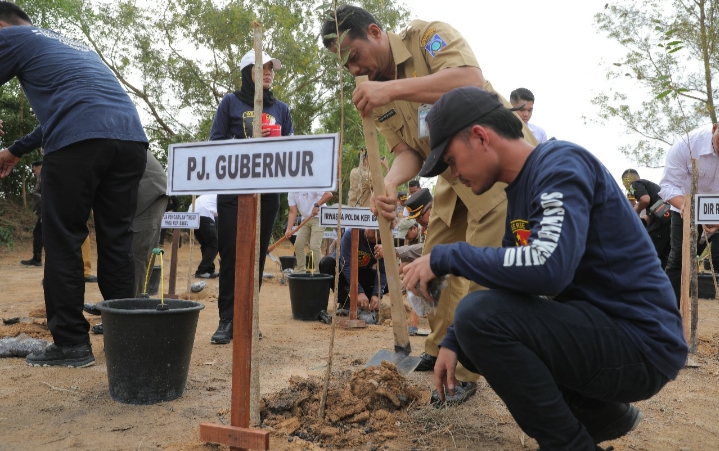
{"points": [[206, 206], [702, 144], [308, 203], [523, 100]]}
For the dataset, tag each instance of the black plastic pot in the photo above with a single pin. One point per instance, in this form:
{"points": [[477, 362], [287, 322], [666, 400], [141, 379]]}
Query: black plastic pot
{"points": [[288, 262], [706, 286], [148, 351], [309, 294]]}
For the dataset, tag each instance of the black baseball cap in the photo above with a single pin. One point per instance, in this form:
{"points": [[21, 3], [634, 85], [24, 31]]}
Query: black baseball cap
{"points": [[453, 112]]}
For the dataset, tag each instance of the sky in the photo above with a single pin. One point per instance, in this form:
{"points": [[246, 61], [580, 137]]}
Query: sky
{"points": [[553, 49]]}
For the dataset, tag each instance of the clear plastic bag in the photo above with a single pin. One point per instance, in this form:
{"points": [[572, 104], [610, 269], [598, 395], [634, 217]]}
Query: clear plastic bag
{"points": [[21, 346], [423, 306]]}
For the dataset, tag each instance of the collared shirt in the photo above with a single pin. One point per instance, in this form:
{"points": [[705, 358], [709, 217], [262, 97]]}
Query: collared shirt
{"points": [[425, 48], [538, 132], [677, 177], [206, 205], [305, 202]]}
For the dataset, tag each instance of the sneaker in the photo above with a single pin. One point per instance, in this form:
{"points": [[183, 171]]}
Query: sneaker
{"points": [[91, 278], [223, 334], [97, 329], [75, 356], [91, 309], [31, 262], [206, 275], [426, 362], [613, 421], [412, 330], [462, 392]]}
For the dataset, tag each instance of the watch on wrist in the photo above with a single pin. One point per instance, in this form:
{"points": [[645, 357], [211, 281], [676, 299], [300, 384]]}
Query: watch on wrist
{"points": [[317, 205]]}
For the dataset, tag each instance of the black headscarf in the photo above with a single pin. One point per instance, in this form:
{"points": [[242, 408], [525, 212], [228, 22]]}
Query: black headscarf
{"points": [[247, 90]]}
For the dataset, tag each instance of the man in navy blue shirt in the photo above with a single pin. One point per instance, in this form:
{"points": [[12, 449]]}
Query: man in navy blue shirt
{"points": [[95, 152], [570, 331]]}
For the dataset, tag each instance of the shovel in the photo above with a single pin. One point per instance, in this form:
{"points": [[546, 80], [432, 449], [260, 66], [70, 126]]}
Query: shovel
{"points": [[402, 349]]}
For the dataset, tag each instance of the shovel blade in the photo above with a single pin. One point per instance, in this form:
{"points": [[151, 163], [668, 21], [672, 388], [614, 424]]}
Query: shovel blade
{"points": [[405, 363]]}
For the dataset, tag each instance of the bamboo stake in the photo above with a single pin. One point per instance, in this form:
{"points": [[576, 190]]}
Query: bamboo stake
{"points": [[192, 239]]}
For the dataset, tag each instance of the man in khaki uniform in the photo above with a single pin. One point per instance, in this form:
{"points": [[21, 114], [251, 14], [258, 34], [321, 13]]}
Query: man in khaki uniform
{"points": [[409, 72]]}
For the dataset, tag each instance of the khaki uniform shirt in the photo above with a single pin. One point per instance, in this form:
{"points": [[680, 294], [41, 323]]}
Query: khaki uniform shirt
{"points": [[422, 49]]}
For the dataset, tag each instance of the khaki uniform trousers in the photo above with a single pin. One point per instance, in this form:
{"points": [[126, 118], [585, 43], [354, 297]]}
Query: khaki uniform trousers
{"points": [[487, 231], [309, 235]]}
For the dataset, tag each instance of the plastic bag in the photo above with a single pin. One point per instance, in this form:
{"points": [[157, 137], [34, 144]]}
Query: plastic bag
{"points": [[423, 306], [21, 346]]}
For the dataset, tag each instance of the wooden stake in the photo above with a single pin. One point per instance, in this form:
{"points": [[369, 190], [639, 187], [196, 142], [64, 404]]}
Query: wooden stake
{"points": [[399, 322], [173, 265], [353, 322]]}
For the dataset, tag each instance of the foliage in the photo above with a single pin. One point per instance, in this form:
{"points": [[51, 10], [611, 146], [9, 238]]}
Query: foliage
{"points": [[672, 48]]}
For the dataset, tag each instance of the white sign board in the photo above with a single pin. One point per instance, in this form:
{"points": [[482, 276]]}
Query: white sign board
{"points": [[707, 209], [330, 234], [172, 220], [248, 166], [355, 217]]}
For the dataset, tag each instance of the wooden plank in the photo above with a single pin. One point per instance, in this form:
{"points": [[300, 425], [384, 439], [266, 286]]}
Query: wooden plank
{"points": [[233, 436], [399, 322], [686, 267], [353, 274], [243, 309], [173, 264]]}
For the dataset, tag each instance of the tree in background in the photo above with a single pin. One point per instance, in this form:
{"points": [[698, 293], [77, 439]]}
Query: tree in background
{"points": [[672, 48]]}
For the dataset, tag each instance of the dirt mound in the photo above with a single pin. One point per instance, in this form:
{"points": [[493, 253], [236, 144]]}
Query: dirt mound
{"points": [[34, 329], [16, 222], [362, 407]]}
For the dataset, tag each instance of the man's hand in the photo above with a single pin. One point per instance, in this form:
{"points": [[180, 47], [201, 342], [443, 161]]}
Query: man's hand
{"points": [[418, 271], [378, 253], [370, 95], [7, 162], [385, 205], [374, 304], [444, 372], [710, 228], [288, 232], [363, 301]]}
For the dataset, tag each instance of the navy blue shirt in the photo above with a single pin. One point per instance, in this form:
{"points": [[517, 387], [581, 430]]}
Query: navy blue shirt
{"points": [[234, 118], [74, 95], [365, 261], [572, 235]]}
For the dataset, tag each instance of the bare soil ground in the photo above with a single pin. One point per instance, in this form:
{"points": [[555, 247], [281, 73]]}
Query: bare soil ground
{"points": [[368, 409]]}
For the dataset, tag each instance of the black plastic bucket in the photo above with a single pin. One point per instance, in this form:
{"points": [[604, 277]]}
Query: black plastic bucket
{"points": [[309, 294], [288, 262], [706, 286], [148, 351], [153, 285]]}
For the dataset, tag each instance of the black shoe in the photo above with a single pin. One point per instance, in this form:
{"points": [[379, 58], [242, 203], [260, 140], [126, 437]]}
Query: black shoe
{"points": [[91, 279], [91, 309], [426, 362], [462, 392], [206, 275], [31, 262], [613, 421], [76, 356], [97, 329], [223, 334]]}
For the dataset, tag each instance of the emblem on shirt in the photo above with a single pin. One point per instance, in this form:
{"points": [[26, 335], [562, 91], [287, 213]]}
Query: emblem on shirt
{"points": [[435, 44], [520, 230], [247, 117], [426, 36], [364, 258], [387, 115]]}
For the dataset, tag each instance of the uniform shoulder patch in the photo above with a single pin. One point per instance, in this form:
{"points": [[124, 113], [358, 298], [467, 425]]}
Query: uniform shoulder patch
{"points": [[426, 36], [435, 44]]}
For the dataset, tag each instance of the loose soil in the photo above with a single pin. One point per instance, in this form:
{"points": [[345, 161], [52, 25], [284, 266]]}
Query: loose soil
{"points": [[367, 408]]}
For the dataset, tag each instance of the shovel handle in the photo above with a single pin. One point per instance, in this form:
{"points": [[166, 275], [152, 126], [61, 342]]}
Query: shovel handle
{"points": [[284, 237], [399, 322]]}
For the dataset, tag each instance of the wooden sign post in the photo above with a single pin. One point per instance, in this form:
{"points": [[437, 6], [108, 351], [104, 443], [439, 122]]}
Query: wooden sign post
{"points": [[353, 322]]}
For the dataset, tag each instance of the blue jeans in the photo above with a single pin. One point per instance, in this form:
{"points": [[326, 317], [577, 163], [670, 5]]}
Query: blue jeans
{"points": [[547, 360]]}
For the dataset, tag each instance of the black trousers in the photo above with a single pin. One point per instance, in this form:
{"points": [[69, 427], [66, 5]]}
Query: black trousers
{"points": [[97, 174], [207, 237], [37, 240], [674, 262], [366, 278], [227, 239], [552, 363], [661, 239]]}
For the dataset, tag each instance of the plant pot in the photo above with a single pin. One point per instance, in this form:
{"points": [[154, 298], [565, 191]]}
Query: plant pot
{"points": [[288, 262], [147, 350], [706, 286], [309, 294]]}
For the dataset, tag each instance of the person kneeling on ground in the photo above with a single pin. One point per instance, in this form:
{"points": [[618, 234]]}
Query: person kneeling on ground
{"points": [[569, 331], [366, 273]]}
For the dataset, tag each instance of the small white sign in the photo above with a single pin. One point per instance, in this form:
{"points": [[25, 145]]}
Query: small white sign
{"points": [[173, 220], [330, 234], [248, 166], [355, 217], [707, 209]]}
